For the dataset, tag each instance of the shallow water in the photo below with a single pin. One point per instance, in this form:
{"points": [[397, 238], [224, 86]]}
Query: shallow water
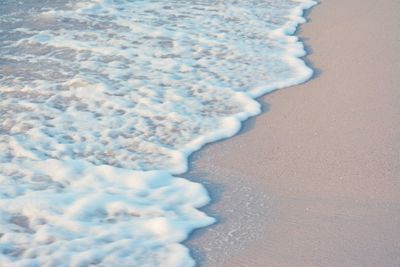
{"points": [[103, 101]]}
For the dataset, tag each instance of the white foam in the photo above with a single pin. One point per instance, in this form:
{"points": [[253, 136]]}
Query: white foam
{"points": [[73, 210], [102, 101]]}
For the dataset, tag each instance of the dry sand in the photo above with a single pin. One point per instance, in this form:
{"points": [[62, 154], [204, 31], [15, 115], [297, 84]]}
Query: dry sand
{"points": [[315, 180]]}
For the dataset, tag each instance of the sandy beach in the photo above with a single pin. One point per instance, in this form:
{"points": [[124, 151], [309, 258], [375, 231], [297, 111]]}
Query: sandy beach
{"points": [[315, 179]]}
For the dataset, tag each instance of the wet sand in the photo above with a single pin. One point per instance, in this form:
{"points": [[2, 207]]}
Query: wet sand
{"points": [[315, 179]]}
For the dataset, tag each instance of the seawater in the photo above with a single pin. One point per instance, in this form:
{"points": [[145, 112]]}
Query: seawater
{"points": [[101, 103]]}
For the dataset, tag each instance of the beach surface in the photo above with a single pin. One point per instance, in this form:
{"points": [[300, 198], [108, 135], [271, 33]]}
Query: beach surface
{"points": [[315, 179]]}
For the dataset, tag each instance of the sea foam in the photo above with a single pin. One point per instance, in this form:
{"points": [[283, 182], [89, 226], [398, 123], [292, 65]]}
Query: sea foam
{"points": [[102, 102]]}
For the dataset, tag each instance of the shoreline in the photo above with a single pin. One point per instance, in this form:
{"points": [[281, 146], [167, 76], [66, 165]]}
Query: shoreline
{"points": [[312, 180]]}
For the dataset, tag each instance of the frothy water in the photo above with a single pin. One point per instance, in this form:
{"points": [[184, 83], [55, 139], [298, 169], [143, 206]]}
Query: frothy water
{"points": [[102, 101]]}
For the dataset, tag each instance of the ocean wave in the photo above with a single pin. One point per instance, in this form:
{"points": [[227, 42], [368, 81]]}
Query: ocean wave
{"points": [[103, 101]]}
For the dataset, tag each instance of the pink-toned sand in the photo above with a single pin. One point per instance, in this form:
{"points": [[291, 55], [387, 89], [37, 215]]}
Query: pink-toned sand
{"points": [[315, 180]]}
